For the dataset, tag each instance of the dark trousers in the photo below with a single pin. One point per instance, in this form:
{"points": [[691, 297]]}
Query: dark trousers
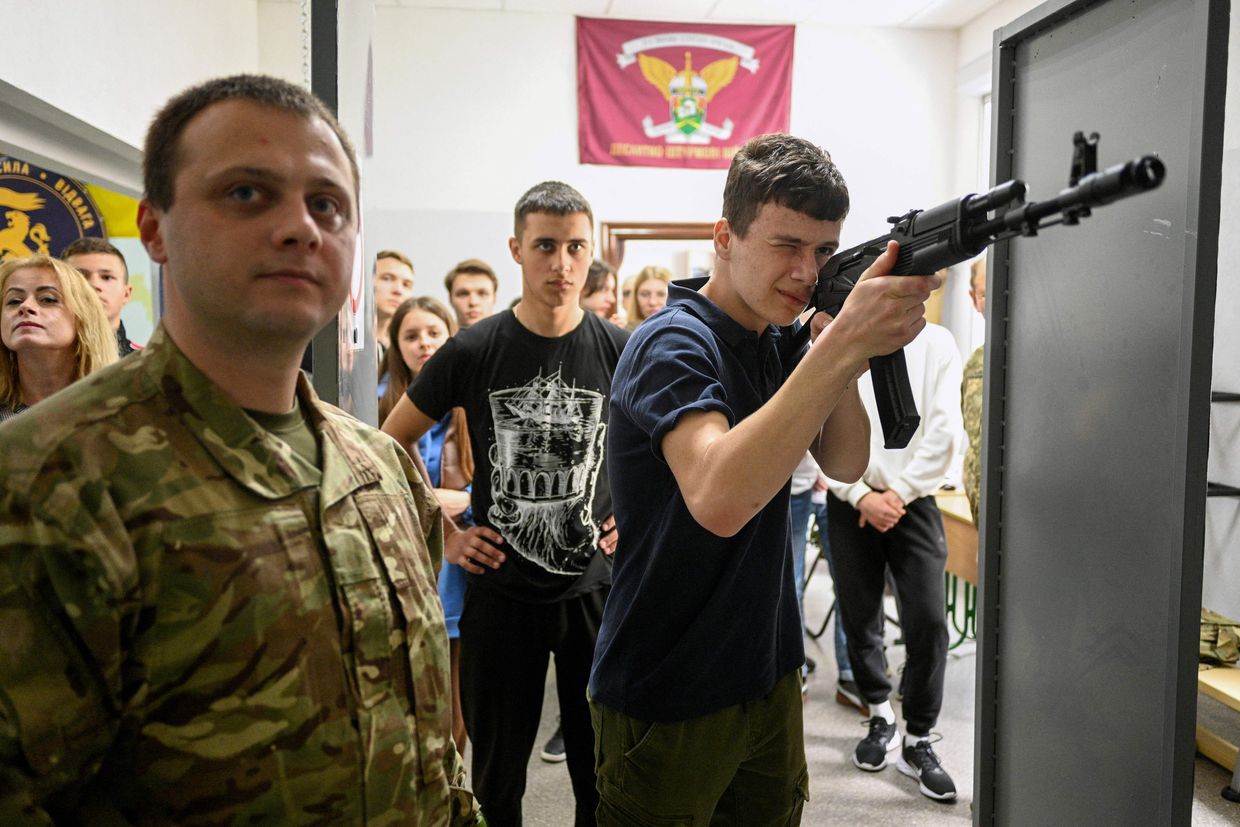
{"points": [[505, 646], [916, 553]]}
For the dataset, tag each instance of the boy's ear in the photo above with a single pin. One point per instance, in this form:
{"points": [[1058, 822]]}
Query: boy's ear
{"points": [[723, 237], [514, 248]]}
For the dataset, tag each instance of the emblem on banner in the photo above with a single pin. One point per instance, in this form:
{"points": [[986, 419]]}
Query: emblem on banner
{"points": [[42, 211], [687, 93], [686, 90]]}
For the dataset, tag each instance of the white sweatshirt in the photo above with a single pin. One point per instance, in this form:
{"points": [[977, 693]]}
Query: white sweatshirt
{"points": [[805, 475]]}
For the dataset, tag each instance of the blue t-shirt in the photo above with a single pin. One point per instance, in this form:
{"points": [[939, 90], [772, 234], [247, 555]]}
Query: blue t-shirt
{"points": [[695, 622], [451, 576], [430, 446]]}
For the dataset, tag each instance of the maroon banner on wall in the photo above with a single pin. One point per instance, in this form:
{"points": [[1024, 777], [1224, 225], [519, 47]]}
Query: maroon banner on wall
{"points": [[684, 95]]}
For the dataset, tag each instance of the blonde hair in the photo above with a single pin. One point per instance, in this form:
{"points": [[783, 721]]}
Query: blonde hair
{"points": [[632, 309], [96, 343]]}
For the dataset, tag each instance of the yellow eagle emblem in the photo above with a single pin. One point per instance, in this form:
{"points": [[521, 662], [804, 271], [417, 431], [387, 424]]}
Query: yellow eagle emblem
{"points": [[688, 92]]}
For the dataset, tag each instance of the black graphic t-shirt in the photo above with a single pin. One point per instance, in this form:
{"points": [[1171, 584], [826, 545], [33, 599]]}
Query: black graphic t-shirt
{"points": [[537, 411]]}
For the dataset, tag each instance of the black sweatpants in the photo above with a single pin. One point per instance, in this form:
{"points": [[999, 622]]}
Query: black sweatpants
{"points": [[916, 552], [505, 647]]}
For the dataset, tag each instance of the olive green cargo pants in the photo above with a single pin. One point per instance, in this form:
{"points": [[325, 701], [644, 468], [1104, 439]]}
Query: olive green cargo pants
{"points": [[743, 765]]}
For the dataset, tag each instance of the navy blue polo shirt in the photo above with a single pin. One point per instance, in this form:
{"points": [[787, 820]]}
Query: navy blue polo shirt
{"points": [[694, 622]]}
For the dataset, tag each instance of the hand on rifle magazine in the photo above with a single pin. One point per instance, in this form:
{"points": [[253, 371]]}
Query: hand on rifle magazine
{"points": [[883, 313]]}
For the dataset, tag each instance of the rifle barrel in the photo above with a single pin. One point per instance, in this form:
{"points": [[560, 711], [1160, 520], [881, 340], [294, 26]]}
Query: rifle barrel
{"points": [[1112, 184], [1120, 181]]}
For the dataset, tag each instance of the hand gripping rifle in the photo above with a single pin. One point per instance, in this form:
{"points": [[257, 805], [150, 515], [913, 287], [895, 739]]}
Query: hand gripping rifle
{"points": [[957, 231]]}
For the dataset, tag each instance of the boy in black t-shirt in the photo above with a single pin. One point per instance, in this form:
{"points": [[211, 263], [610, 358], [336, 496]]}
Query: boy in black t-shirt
{"points": [[535, 382]]}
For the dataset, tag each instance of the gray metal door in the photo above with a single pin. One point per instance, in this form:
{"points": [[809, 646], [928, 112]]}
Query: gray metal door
{"points": [[1097, 402]]}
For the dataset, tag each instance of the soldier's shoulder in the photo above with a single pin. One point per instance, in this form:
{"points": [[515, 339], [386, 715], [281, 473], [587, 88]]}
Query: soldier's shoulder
{"points": [[357, 432], [974, 364], [80, 414], [343, 420]]}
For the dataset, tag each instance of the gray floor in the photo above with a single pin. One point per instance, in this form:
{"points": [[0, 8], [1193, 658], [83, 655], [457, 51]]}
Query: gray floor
{"points": [[840, 794]]}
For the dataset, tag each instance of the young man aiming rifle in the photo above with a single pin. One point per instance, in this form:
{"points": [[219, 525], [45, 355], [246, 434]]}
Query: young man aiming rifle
{"points": [[695, 696]]}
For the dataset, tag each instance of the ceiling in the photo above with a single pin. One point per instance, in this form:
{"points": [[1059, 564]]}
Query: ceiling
{"points": [[943, 14]]}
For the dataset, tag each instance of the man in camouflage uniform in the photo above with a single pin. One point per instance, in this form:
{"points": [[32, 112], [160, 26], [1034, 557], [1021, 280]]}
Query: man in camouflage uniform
{"points": [[971, 397], [217, 593]]}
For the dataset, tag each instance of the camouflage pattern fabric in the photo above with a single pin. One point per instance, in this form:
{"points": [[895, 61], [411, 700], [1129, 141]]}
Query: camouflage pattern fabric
{"points": [[971, 407], [182, 645], [1220, 639]]}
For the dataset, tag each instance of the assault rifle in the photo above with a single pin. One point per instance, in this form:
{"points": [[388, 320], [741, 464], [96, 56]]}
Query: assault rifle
{"points": [[957, 231]]}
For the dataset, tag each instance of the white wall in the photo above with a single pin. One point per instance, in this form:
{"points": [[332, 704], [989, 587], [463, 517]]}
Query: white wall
{"points": [[113, 64], [458, 137], [977, 36], [1221, 589], [974, 48], [283, 41]]}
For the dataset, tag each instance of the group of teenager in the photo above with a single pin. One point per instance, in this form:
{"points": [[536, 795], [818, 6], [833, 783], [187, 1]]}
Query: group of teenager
{"points": [[222, 596]]}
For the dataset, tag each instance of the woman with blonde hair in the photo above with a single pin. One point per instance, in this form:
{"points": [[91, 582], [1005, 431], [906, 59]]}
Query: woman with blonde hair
{"points": [[53, 331], [418, 328], [649, 294]]}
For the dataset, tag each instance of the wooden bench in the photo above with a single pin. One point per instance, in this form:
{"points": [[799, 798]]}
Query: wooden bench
{"points": [[961, 536]]}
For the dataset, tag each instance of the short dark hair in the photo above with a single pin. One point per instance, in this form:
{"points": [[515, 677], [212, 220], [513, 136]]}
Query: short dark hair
{"points": [[784, 170], [596, 277], [91, 244], [473, 266], [160, 154], [552, 197]]}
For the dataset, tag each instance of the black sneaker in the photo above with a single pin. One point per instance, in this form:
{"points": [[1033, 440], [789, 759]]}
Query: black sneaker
{"points": [[848, 694], [871, 753], [553, 750], [920, 762]]}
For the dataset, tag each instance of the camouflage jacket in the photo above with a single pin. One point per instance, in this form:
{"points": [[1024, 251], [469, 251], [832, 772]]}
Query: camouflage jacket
{"points": [[193, 634], [971, 405]]}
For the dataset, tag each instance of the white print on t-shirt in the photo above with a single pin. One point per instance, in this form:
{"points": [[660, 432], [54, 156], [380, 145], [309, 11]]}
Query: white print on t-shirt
{"points": [[544, 464]]}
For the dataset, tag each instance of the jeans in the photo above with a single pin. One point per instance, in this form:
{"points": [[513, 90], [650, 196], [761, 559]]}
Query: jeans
{"points": [[803, 507]]}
